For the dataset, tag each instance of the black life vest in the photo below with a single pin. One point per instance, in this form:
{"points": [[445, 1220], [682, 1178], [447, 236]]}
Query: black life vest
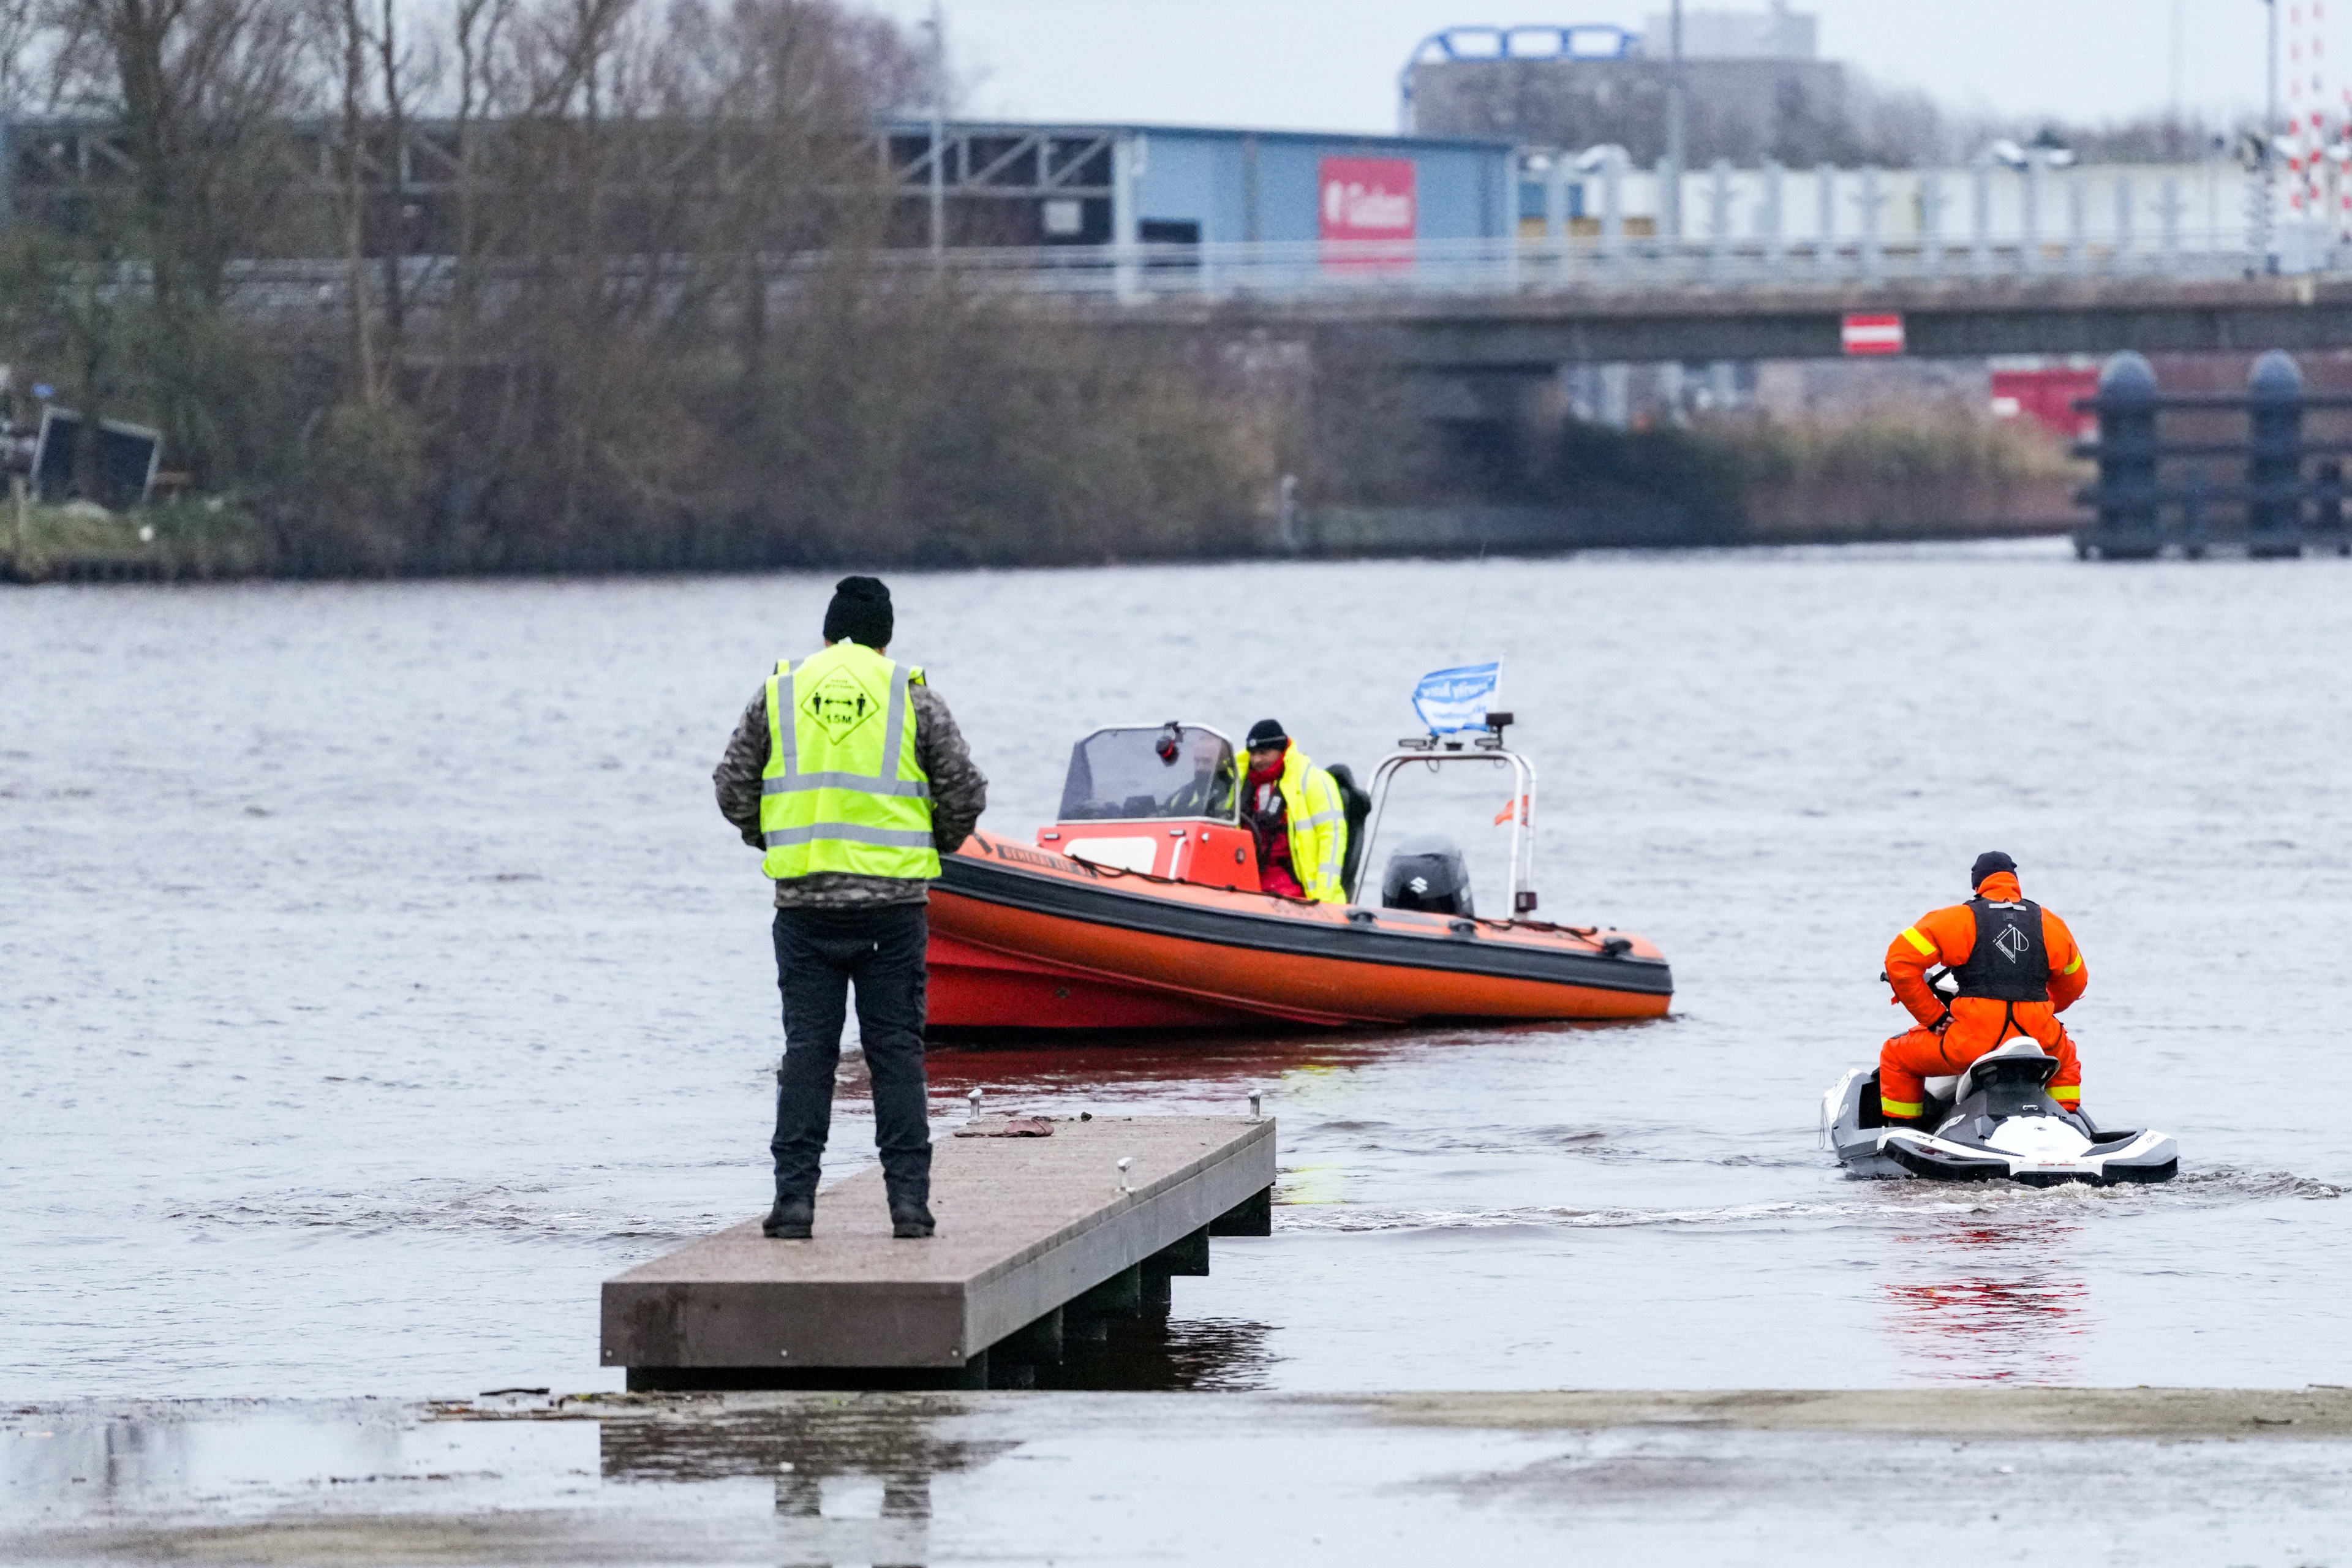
{"points": [[2010, 962]]}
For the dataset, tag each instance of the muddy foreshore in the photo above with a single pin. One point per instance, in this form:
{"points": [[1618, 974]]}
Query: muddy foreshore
{"points": [[527, 1477]]}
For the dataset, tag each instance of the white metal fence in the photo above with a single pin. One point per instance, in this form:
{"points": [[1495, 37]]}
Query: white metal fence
{"points": [[1598, 265], [1113, 277], [1590, 222]]}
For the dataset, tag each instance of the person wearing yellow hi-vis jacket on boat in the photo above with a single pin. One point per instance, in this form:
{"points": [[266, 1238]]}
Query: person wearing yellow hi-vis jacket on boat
{"points": [[1296, 812]]}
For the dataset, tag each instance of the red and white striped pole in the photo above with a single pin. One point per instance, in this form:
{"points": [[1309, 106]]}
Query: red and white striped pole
{"points": [[2295, 138]]}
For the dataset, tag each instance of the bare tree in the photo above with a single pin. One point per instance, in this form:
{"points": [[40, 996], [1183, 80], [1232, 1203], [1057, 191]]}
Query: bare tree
{"points": [[22, 28], [397, 72], [343, 33], [204, 94], [658, 330]]}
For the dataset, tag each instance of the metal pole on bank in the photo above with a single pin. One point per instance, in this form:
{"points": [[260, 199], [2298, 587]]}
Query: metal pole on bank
{"points": [[2266, 199], [938, 25], [1670, 208]]}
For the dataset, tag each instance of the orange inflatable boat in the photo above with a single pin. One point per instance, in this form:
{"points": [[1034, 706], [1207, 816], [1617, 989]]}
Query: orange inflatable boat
{"points": [[1141, 909]]}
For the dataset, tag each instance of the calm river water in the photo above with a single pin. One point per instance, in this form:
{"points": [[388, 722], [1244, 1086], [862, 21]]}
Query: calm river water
{"points": [[376, 975]]}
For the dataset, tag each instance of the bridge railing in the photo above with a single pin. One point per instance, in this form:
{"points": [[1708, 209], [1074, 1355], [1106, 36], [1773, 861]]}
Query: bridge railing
{"points": [[1632, 265], [1111, 277]]}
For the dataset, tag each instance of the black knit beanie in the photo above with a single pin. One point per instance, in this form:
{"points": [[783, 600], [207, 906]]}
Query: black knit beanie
{"points": [[1264, 732], [1990, 861], [860, 612]]}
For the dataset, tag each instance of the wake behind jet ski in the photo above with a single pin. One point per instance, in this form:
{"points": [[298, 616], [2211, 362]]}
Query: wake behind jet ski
{"points": [[1994, 1121]]}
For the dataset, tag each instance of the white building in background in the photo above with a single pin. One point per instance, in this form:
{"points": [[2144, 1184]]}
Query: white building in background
{"points": [[2201, 208], [1776, 34]]}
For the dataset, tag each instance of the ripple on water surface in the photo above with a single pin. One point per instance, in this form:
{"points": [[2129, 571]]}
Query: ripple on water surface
{"points": [[1898, 1201], [382, 978]]}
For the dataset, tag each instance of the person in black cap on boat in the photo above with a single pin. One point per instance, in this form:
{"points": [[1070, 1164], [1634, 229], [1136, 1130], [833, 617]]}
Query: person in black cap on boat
{"points": [[848, 771], [1296, 813]]}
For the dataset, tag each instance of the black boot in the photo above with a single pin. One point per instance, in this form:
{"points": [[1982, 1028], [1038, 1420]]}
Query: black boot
{"points": [[910, 1219], [790, 1220]]}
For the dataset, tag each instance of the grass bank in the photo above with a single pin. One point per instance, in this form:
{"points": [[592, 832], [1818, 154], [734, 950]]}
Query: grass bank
{"points": [[1930, 472], [965, 439], [191, 541]]}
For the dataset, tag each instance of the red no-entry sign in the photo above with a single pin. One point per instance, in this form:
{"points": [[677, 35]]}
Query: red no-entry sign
{"points": [[1872, 334]]}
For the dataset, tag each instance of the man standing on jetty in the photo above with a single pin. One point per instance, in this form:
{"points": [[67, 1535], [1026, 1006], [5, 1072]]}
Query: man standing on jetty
{"points": [[849, 771]]}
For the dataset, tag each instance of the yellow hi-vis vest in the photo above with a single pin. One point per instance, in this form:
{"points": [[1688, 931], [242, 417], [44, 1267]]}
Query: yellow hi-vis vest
{"points": [[1318, 825], [843, 791]]}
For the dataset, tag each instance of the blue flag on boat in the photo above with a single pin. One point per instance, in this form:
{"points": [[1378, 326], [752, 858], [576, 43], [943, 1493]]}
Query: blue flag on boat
{"points": [[1450, 700]]}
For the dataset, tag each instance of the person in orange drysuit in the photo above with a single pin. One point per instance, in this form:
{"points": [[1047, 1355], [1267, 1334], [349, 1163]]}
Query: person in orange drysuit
{"points": [[2018, 968]]}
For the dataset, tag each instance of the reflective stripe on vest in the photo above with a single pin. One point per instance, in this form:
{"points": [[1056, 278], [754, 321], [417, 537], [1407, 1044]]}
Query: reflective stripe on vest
{"points": [[843, 791], [795, 783], [850, 833], [1305, 787]]}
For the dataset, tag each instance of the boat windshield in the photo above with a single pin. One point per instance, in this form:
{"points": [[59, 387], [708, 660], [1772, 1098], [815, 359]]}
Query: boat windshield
{"points": [[1177, 770]]}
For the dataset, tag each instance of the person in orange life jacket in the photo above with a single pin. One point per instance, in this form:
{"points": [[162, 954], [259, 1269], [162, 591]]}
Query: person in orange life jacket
{"points": [[2017, 969], [1295, 811]]}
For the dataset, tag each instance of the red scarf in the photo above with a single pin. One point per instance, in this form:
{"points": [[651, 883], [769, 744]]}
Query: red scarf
{"points": [[1269, 820]]}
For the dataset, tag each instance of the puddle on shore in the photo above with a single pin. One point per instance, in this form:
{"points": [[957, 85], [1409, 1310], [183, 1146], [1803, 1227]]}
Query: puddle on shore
{"points": [[902, 1478]]}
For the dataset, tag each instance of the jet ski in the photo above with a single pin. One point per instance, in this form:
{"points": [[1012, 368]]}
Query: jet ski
{"points": [[1994, 1121]]}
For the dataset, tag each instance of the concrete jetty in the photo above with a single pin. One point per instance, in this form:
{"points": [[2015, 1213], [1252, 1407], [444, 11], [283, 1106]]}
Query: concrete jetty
{"points": [[1030, 1228]]}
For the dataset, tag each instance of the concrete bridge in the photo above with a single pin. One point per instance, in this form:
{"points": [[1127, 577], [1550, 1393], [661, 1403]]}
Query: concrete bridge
{"points": [[1537, 333], [1520, 311]]}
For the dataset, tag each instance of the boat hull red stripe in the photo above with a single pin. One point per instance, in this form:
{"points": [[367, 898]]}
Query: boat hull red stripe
{"points": [[977, 988]]}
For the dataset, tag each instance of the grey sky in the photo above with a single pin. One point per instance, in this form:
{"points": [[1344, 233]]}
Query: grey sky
{"points": [[1333, 63]]}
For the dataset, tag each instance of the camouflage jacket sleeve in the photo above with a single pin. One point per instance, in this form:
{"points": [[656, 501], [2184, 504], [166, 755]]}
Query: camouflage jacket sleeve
{"points": [[737, 777], [958, 792]]}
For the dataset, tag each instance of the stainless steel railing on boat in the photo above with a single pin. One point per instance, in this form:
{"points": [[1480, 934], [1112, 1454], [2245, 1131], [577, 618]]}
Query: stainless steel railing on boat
{"points": [[1487, 747]]}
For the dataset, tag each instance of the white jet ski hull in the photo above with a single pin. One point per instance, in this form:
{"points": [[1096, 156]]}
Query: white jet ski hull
{"points": [[1993, 1122]]}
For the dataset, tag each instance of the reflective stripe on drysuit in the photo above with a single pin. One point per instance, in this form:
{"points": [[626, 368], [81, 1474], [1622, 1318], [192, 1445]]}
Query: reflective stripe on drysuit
{"points": [[1977, 1022], [842, 790], [1316, 821]]}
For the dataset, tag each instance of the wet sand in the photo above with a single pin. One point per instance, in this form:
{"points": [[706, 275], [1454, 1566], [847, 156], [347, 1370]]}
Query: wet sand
{"points": [[1772, 1476], [2075, 1413]]}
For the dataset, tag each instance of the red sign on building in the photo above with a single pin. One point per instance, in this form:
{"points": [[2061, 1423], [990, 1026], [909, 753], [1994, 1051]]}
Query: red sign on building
{"points": [[1362, 202], [2047, 397]]}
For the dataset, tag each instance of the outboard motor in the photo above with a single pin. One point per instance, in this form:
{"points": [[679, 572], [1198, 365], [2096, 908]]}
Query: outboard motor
{"points": [[1427, 873]]}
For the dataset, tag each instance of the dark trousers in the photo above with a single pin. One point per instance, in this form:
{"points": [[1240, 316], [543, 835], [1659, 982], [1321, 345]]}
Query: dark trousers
{"points": [[820, 953]]}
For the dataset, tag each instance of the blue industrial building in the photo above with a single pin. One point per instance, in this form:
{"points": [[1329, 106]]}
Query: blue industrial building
{"points": [[1027, 184], [994, 183]]}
